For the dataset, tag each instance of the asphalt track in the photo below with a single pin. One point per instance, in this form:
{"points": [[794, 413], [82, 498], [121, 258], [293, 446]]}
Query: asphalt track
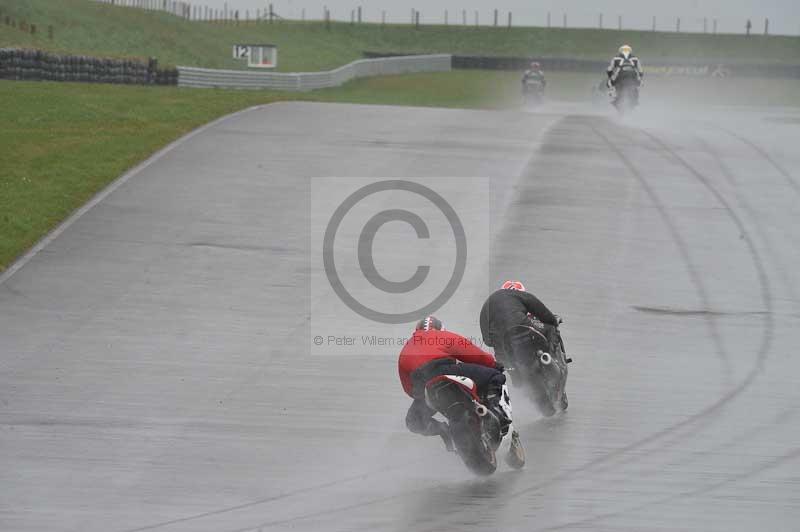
{"points": [[155, 369]]}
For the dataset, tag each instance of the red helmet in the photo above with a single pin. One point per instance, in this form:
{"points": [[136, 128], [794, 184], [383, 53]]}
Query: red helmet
{"points": [[513, 285], [536, 66], [429, 323]]}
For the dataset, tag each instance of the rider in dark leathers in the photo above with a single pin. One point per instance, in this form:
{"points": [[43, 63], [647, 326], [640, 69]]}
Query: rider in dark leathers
{"points": [[624, 61], [506, 308], [533, 82], [534, 73]]}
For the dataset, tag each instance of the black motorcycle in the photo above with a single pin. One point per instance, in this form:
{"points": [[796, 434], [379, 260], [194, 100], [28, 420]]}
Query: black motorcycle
{"points": [[532, 91], [627, 90], [477, 429], [539, 364]]}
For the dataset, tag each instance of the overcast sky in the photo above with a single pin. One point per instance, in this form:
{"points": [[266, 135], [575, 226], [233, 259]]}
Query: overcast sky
{"points": [[784, 15]]}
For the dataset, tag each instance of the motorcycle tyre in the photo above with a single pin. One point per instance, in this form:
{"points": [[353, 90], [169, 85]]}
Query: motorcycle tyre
{"points": [[476, 455]]}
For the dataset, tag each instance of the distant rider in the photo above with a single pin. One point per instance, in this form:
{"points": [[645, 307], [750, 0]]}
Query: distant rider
{"points": [[534, 73], [431, 351], [624, 61], [508, 307]]}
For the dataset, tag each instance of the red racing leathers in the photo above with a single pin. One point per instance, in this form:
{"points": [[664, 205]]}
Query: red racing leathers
{"points": [[425, 346]]}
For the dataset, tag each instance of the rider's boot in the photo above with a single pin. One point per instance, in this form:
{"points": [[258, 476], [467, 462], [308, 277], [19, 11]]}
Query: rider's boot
{"points": [[495, 401], [434, 427]]}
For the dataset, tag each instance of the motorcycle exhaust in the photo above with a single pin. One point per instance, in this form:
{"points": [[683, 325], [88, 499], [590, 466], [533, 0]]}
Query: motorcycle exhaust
{"points": [[481, 410], [545, 358]]}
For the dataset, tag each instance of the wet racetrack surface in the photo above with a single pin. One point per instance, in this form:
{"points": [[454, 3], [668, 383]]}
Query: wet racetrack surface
{"points": [[155, 369]]}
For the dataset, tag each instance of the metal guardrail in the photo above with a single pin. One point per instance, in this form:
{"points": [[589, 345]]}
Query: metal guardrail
{"points": [[306, 81]]}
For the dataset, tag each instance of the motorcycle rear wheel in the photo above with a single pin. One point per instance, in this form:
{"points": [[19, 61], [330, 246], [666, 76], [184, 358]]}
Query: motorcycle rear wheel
{"points": [[481, 463], [538, 392], [479, 457]]}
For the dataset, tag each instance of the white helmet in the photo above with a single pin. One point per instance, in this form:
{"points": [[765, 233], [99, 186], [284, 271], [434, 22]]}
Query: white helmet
{"points": [[625, 50]]}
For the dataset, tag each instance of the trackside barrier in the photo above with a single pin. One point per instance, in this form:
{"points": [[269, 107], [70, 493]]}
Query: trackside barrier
{"points": [[307, 81], [510, 63], [691, 67], [24, 64]]}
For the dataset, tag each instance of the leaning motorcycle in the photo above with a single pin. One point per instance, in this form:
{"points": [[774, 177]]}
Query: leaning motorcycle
{"points": [[539, 364], [477, 429], [627, 90]]}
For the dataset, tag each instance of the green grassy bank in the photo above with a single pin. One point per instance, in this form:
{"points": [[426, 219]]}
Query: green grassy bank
{"points": [[85, 27]]}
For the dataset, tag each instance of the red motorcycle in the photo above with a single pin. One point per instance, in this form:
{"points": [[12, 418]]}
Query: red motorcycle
{"points": [[477, 424]]}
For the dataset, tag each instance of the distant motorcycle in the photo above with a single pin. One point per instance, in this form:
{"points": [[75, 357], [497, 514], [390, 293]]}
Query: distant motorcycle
{"points": [[539, 364], [477, 429], [532, 91], [626, 91]]}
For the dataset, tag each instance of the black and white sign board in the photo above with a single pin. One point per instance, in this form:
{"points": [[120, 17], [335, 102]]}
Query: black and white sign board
{"points": [[257, 55], [241, 51]]}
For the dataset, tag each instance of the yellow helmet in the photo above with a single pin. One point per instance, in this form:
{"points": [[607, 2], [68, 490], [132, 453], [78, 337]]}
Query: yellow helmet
{"points": [[625, 50]]}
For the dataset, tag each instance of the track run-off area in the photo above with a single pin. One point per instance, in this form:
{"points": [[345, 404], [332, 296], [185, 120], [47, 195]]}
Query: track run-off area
{"points": [[157, 370]]}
